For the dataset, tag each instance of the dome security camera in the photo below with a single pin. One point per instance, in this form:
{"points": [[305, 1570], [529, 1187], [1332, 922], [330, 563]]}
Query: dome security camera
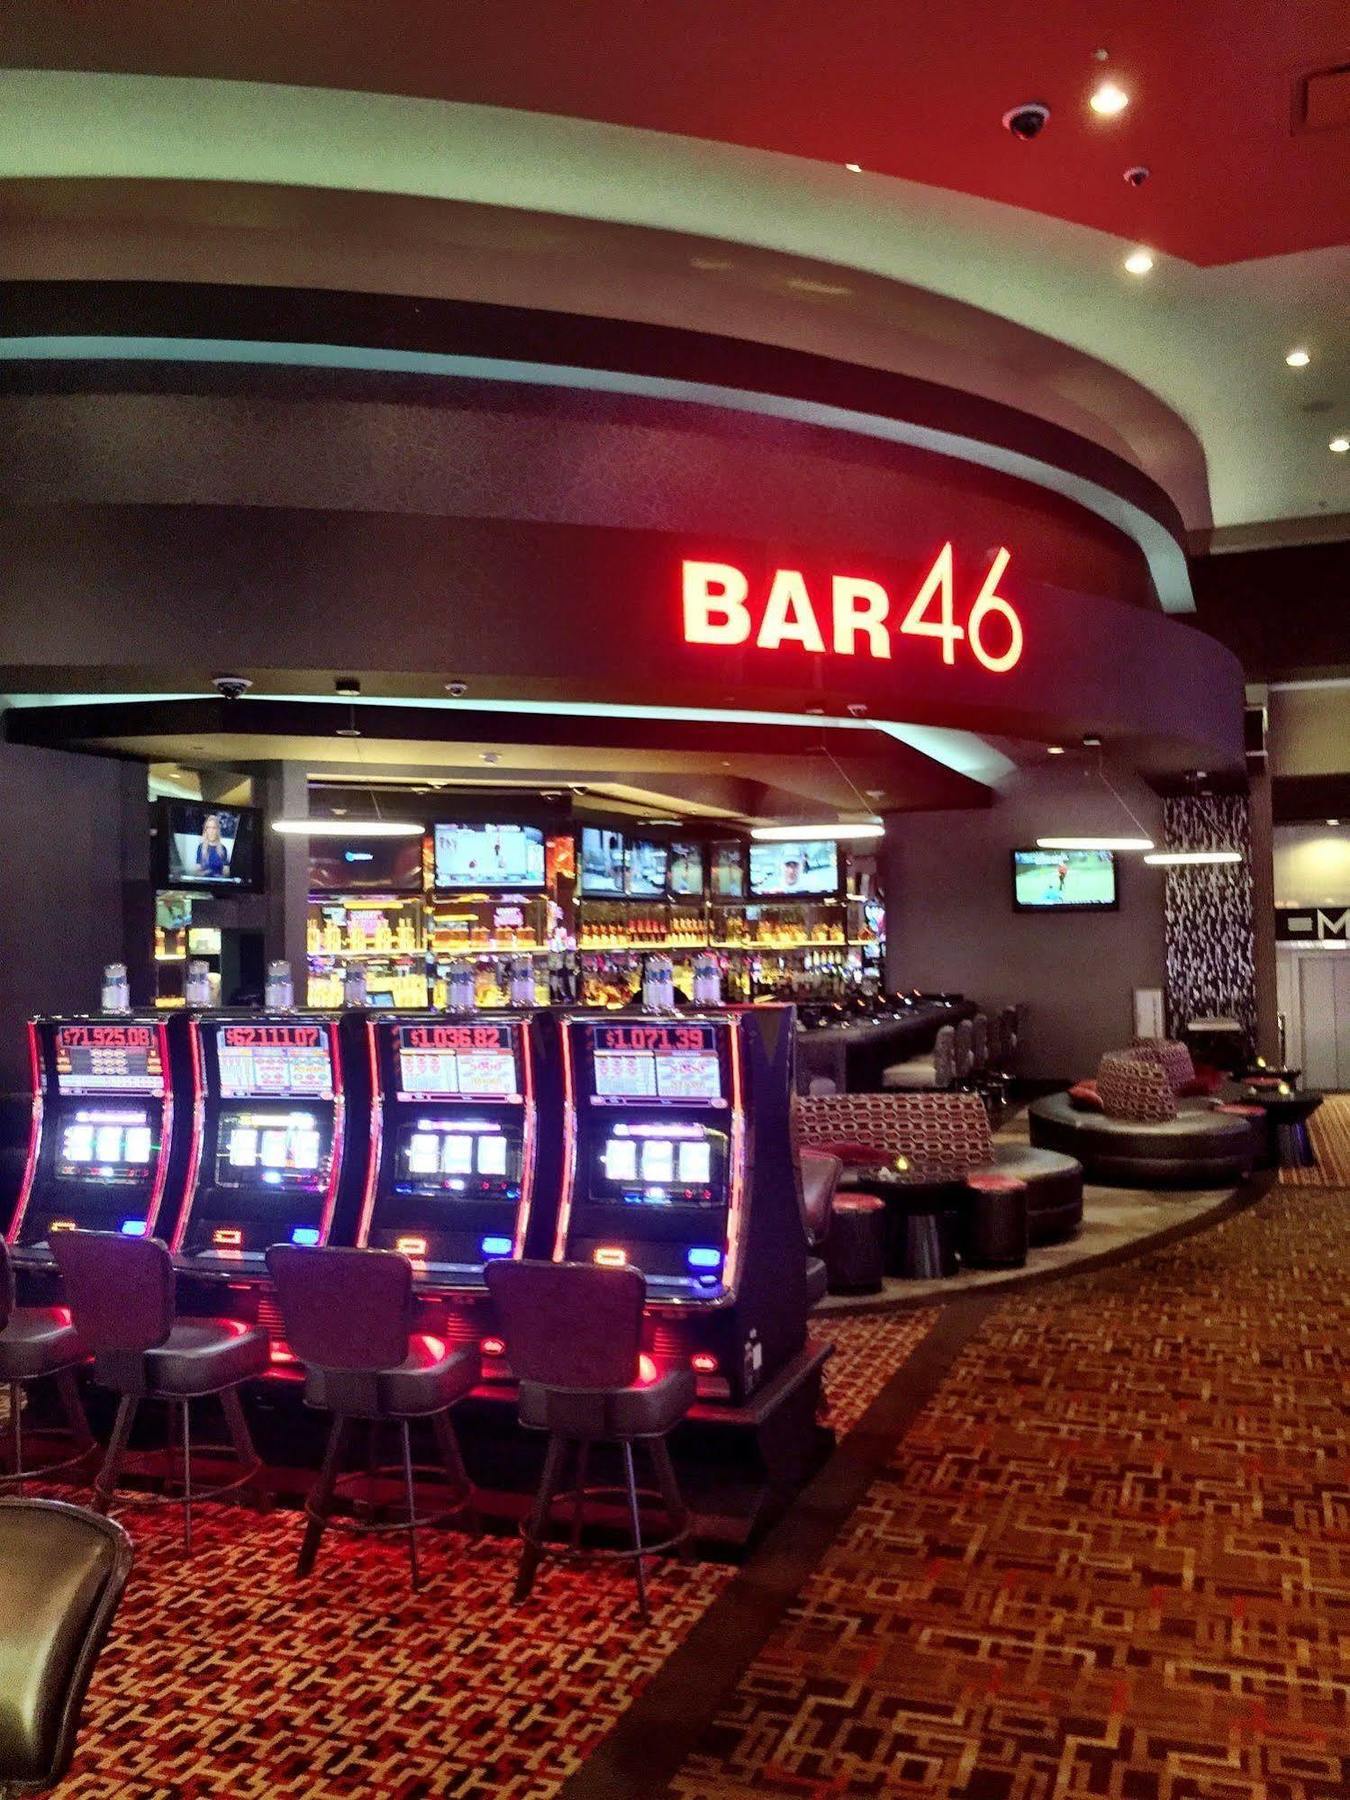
{"points": [[857, 709], [231, 687], [1137, 176], [1027, 121], [456, 689]]}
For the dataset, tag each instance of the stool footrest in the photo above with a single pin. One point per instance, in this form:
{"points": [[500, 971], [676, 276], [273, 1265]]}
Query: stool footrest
{"points": [[567, 1503]]}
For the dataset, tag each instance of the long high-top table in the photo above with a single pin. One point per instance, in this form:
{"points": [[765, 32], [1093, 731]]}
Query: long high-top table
{"points": [[853, 1056]]}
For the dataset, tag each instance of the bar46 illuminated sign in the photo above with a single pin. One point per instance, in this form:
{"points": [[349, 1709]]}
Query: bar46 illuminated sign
{"points": [[851, 617]]}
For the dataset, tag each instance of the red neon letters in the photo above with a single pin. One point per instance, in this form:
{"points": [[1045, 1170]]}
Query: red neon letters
{"points": [[717, 610]]}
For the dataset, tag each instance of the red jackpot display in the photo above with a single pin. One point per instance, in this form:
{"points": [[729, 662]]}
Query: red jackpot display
{"points": [[279, 1153], [679, 1164], [463, 1153], [111, 1120]]}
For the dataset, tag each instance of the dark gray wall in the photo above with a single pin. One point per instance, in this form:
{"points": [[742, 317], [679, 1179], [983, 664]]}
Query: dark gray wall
{"points": [[74, 848], [950, 922]]}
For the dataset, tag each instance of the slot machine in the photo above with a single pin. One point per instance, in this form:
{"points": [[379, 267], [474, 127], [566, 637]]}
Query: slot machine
{"points": [[679, 1162], [110, 1129], [465, 1167], [283, 1108]]}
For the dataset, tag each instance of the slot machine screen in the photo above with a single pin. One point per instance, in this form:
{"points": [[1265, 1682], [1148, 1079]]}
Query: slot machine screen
{"points": [[271, 1149], [259, 1062], [94, 1058], [659, 1065], [458, 1062], [105, 1143], [656, 1165], [470, 1158]]}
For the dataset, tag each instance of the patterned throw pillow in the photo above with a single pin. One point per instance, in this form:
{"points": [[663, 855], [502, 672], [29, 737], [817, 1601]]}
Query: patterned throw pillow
{"points": [[1084, 1095], [1134, 1087]]}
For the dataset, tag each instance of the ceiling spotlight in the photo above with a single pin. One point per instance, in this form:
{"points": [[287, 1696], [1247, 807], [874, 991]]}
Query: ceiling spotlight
{"points": [[854, 168], [1109, 99], [1298, 359], [1139, 262], [1054, 749], [1340, 445]]}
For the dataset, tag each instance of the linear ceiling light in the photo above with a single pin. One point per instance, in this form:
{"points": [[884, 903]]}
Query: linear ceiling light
{"points": [[797, 834], [1094, 843], [373, 828], [1180, 859]]}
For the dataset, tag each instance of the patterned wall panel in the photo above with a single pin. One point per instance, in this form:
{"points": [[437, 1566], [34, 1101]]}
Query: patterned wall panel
{"points": [[1211, 950]]}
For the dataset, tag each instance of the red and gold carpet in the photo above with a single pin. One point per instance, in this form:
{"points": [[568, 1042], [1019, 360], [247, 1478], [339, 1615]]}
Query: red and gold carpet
{"points": [[1329, 1129], [227, 1680], [1109, 1561]]}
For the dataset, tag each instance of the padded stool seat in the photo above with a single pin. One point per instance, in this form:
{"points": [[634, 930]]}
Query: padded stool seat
{"points": [[855, 1251], [199, 1357], [38, 1341], [646, 1409], [62, 1572], [429, 1379]]}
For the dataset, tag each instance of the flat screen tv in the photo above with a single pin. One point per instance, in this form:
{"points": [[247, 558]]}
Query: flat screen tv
{"points": [[215, 849], [728, 870], [783, 871], [686, 870], [489, 856], [365, 865], [1064, 881], [601, 861], [645, 868]]}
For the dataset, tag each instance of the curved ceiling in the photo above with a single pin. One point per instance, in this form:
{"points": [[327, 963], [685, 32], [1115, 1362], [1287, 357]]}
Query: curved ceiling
{"points": [[1209, 342], [909, 91]]}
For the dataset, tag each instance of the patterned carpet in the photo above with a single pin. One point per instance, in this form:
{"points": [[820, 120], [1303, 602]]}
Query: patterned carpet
{"points": [[225, 1680], [1110, 1560], [1329, 1128]]}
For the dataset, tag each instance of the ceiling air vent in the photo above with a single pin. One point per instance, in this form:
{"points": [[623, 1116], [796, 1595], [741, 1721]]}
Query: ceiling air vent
{"points": [[1322, 100]]}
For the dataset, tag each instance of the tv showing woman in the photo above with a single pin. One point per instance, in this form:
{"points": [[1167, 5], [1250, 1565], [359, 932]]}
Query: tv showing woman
{"points": [[213, 854]]}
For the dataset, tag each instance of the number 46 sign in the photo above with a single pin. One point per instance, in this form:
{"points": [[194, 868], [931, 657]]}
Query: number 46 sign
{"points": [[719, 609]]}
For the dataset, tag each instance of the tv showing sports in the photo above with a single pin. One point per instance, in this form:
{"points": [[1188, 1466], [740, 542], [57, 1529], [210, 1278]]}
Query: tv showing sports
{"points": [[1064, 880], [365, 865], [728, 870], [780, 871], [489, 856], [203, 846], [686, 870], [645, 868], [602, 856]]}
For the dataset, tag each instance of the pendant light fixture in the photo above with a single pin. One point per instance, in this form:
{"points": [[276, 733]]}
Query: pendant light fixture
{"points": [[1138, 839], [351, 828], [1183, 859]]}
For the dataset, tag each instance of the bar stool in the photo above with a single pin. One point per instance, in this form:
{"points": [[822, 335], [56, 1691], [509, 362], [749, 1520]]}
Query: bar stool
{"points": [[121, 1296], [573, 1335], [39, 1343], [348, 1317], [855, 1251]]}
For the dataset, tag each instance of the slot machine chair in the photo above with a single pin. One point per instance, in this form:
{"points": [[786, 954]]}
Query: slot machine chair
{"points": [[574, 1338], [121, 1296], [39, 1343], [820, 1174], [62, 1574], [348, 1317]]}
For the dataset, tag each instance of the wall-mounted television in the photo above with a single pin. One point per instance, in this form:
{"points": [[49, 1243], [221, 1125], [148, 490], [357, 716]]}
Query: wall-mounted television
{"points": [[214, 849], [489, 856], [365, 865], [783, 871], [645, 866], [602, 858], [1064, 881], [686, 870], [728, 870]]}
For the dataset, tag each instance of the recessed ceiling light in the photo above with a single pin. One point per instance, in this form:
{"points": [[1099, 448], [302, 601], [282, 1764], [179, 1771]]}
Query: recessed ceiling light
{"points": [[1109, 99], [1340, 445], [1054, 749], [1139, 262], [854, 168], [1298, 359]]}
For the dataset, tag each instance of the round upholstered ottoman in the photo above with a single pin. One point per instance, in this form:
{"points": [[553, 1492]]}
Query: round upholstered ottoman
{"points": [[1054, 1184], [1196, 1149], [995, 1234], [855, 1250]]}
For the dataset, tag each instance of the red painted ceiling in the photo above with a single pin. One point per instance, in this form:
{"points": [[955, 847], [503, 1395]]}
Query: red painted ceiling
{"points": [[902, 88]]}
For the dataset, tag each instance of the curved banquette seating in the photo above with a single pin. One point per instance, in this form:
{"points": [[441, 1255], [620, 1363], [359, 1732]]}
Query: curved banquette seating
{"points": [[1129, 1127], [945, 1136]]}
